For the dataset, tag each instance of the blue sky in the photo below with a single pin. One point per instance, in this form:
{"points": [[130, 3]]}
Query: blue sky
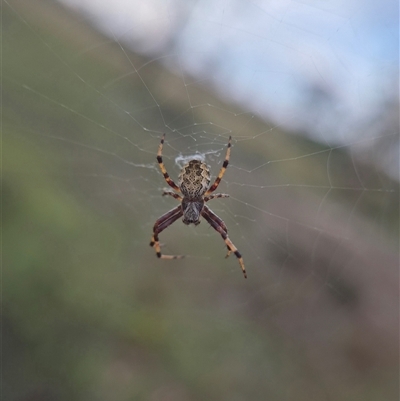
{"points": [[271, 57]]}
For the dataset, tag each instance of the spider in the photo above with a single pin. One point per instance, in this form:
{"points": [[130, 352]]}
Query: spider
{"points": [[194, 181]]}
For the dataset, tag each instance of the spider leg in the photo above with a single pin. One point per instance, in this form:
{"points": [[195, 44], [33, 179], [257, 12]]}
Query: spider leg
{"points": [[218, 221], [223, 169], [167, 178], [161, 224], [173, 194], [213, 196], [218, 225]]}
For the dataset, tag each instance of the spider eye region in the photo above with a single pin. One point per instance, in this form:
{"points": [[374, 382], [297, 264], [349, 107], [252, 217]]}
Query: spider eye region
{"points": [[191, 211]]}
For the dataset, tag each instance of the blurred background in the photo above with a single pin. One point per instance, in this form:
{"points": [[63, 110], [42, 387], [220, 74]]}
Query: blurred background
{"points": [[309, 93]]}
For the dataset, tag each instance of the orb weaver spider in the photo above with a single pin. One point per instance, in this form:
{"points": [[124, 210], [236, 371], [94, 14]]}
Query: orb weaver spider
{"points": [[193, 184]]}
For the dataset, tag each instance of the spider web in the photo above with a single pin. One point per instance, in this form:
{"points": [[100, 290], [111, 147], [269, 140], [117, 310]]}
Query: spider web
{"points": [[306, 90]]}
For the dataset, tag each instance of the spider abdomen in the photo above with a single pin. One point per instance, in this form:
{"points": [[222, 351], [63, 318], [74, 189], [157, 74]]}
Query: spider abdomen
{"points": [[194, 179]]}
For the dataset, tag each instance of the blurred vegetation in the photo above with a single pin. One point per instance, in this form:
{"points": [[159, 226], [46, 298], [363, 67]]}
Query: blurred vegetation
{"points": [[88, 314]]}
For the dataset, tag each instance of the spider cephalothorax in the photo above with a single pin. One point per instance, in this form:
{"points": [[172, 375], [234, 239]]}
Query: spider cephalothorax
{"points": [[191, 209], [193, 183]]}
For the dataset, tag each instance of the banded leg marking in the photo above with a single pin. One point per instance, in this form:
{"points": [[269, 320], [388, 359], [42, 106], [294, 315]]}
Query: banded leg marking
{"points": [[161, 224], [167, 178], [218, 225], [214, 196], [173, 194], [223, 169]]}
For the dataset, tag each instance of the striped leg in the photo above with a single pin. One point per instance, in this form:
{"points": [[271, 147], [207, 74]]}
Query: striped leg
{"points": [[223, 169], [218, 221], [218, 225], [173, 194], [214, 196], [161, 224], [162, 167]]}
